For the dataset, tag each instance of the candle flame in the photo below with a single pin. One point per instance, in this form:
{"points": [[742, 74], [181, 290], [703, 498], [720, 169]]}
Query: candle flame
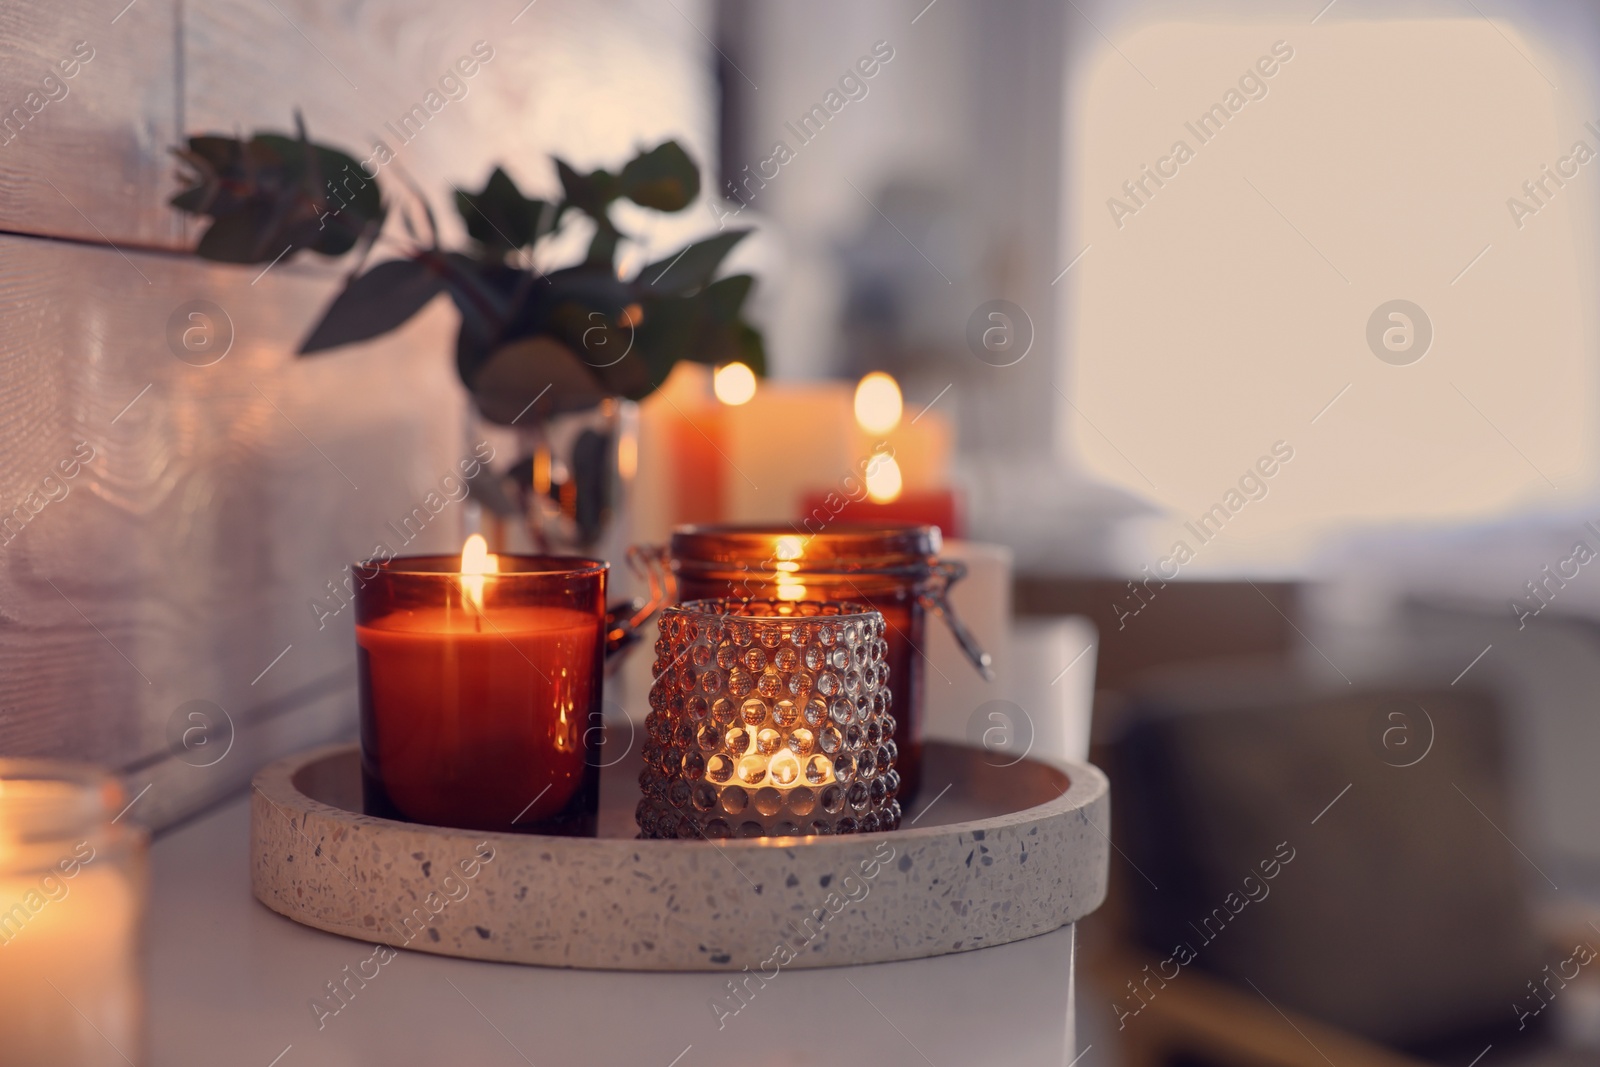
{"points": [[878, 403], [476, 561], [788, 552], [734, 384], [784, 768], [883, 481]]}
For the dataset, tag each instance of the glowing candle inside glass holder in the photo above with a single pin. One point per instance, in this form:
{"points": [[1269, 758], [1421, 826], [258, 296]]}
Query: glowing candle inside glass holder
{"points": [[72, 892], [480, 683], [769, 718]]}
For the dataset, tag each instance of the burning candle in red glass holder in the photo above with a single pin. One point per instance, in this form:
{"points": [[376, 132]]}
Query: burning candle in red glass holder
{"points": [[480, 689]]}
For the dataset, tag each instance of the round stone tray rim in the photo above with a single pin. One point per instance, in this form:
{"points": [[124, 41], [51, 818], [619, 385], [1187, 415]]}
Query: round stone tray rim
{"points": [[606, 903], [1086, 784]]}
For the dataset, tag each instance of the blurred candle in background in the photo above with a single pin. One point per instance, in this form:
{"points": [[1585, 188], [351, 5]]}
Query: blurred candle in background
{"points": [[734, 384], [726, 448], [921, 438], [878, 403], [791, 438], [907, 479], [682, 468], [72, 887]]}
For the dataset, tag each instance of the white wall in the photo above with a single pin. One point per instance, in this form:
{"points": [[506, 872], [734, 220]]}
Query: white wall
{"points": [[1228, 311], [941, 184]]}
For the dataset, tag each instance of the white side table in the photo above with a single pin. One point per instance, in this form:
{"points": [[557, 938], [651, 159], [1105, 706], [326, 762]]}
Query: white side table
{"points": [[232, 982]]}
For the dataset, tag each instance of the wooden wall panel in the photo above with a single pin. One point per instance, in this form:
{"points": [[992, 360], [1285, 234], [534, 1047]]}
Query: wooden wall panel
{"points": [[182, 559], [87, 155], [591, 79], [180, 563]]}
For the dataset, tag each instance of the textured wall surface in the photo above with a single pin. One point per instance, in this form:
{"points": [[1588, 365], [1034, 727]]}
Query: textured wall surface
{"points": [[208, 506]]}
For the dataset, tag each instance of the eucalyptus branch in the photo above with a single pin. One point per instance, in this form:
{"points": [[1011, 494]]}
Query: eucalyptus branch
{"points": [[267, 197]]}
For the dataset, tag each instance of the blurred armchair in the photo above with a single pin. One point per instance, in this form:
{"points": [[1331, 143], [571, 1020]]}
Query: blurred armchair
{"points": [[1318, 875]]}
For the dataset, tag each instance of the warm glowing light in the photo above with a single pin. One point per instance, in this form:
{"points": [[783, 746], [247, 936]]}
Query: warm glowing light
{"points": [[476, 561], [883, 481], [878, 403], [784, 768], [788, 547], [734, 384], [627, 456], [789, 589], [476, 557]]}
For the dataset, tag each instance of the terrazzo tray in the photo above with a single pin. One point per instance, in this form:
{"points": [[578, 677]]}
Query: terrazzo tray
{"points": [[988, 854]]}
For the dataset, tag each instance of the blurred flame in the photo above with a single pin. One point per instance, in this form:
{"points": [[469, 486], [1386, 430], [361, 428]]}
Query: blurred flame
{"points": [[784, 768], [883, 481], [787, 551], [734, 384], [878, 403], [627, 456], [476, 561]]}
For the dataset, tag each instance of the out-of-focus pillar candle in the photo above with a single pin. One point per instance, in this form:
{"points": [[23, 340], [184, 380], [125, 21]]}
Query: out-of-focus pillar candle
{"points": [[72, 886], [920, 439], [922, 449], [717, 446], [935, 507], [906, 474], [790, 438], [682, 463]]}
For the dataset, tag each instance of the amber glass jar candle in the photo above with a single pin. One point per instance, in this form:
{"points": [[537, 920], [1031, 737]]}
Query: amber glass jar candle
{"points": [[480, 690], [893, 568]]}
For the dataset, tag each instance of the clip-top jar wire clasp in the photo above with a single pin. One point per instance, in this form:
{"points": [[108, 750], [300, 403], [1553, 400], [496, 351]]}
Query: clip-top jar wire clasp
{"points": [[625, 619], [935, 598]]}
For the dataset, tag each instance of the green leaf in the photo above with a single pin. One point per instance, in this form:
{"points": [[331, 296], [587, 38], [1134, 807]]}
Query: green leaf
{"points": [[590, 193], [693, 328], [752, 347], [590, 285], [192, 201], [218, 152], [346, 186], [486, 295], [664, 178], [237, 237], [500, 218], [725, 296], [598, 339], [692, 268], [536, 371], [378, 301], [603, 248], [274, 193]]}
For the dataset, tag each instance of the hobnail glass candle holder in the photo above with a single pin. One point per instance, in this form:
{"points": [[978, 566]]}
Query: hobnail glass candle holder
{"points": [[769, 718]]}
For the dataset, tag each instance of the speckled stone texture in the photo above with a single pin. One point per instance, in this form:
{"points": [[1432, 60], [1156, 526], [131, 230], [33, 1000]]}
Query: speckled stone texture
{"points": [[1025, 853]]}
